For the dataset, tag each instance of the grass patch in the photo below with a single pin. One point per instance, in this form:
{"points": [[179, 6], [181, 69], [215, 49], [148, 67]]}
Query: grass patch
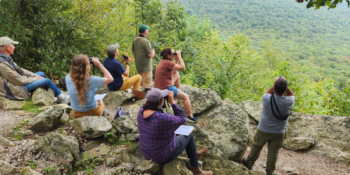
{"points": [[31, 163], [31, 107]]}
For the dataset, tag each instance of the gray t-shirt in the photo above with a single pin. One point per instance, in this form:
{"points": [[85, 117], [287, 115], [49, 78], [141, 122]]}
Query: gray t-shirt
{"points": [[268, 122]]}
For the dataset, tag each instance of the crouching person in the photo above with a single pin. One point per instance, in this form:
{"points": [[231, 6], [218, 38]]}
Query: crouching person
{"points": [[16, 82], [81, 87], [272, 125], [121, 82], [158, 141]]}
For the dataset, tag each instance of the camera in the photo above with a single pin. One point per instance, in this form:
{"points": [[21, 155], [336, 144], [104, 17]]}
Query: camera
{"points": [[166, 99], [125, 57], [176, 53], [90, 60]]}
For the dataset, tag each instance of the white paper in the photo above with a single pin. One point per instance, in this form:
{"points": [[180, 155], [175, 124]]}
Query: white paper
{"points": [[184, 130], [99, 97]]}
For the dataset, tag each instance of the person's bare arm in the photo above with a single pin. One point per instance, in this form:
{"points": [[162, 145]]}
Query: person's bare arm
{"points": [[107, 76], [151, 55], [289, 92], [269, 91], [180, 66], [127, 67]]}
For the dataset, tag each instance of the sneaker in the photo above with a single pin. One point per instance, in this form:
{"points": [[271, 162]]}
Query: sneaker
{"points": [[195, 119], [66, 100], [128, 91]]}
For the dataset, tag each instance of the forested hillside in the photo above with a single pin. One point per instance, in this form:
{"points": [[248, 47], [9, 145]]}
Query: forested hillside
{"points": [[319, 40], [52, 33]]}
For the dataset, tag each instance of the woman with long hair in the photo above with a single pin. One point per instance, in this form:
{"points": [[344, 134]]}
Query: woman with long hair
{"points": [[158, 141], [81, 86], [167, 75]]}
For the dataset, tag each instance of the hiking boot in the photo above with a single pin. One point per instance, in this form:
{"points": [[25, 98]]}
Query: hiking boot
{"points": [[65, 100], [244, 162], [195, 119], [202, 152], [197, 171]]}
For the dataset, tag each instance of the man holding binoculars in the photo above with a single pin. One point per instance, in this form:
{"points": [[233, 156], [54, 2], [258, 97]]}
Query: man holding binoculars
{"points": [[121, 82], [167, 75]]}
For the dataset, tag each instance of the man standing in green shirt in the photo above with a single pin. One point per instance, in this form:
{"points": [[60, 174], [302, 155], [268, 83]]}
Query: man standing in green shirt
{"points": [[143, 53]]}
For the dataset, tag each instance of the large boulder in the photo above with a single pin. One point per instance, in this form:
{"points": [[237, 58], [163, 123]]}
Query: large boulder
{"points": [[8, 104], [43, 97], [67, 110], [131, 154], [5, 142], [62, 150], [126, 128], [117, 98], [175, 167], [228, 126], [329, 131], [201, 99], [6, 168], [47, 120], [254, 110], [148, 166], [215, 160], [299, 143], [91, 126]]}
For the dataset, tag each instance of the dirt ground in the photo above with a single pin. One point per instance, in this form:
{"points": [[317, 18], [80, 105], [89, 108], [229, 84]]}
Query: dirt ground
{"points": [[304, 162]]}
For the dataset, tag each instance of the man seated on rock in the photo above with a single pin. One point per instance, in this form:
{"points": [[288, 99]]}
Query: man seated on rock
{"points": [[158, 141], [16, 82], [272, 125], [167, 76], [121, 82]]}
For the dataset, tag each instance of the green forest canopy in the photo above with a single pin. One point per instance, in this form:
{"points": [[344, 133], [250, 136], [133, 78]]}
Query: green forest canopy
{"points": [[51, 33]]}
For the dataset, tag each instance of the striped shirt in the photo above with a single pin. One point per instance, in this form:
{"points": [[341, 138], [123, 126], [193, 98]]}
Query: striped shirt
{"points": [[157, 133]]}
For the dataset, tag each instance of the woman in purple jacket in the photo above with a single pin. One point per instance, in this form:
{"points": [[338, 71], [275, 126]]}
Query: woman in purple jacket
{"points": [[158, 141]]}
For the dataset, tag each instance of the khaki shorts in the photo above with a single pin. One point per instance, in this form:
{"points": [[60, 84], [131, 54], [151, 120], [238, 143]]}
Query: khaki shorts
{"points": [[146, 79], [98, 111]]}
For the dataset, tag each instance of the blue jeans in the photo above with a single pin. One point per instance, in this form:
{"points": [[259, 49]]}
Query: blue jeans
{"points": [[45, 83], [174, 89]]}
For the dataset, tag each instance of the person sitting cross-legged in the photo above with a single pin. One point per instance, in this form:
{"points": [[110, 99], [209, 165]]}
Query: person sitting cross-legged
{"points": [[16, 82], [158, 141], [82, 87], [121, 82]]}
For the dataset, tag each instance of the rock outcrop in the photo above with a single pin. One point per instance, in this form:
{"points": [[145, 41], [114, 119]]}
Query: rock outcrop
{"points": [[201, 99], [43, 97], [47, 120], [253, 109], [299, 143], [7, 104], [117, 98], [60, 149], [126, 128], [228, 127], [91, 126]]}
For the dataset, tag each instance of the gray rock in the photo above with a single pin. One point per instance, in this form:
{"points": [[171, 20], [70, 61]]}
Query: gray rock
{"points": [[46, 121], [103, 90], [91, 144], [117, 98], [128, 166], [61, 149], [291, 170], [126, 128], [332, 133], [117, 171], [102, 150], [131, 154], [254, 110], [26, 133], [299, 143], [6, 168], [251, 172], [252, 131], [148, 166], [228, 126], [30, 143], [91, 126], [5, 142], [201, 99], [7, 104], [111, 162], [215, 160], [42, 96], [29, 171], [227, 100], [175, 167]]}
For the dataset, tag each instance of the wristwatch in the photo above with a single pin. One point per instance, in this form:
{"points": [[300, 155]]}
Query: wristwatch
{"points": [[128, 64]]}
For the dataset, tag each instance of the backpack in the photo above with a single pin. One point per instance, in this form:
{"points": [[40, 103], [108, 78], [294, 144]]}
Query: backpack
{"points": [[273, 101]]}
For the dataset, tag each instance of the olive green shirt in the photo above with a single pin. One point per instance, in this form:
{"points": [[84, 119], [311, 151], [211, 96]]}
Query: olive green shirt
{"points": [[141, 48]]}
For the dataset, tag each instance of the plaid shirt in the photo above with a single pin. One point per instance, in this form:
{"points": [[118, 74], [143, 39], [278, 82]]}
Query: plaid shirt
{"points": [[157, 133]]}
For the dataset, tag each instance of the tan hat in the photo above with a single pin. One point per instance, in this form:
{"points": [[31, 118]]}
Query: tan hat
{"points": [[6, 41]]}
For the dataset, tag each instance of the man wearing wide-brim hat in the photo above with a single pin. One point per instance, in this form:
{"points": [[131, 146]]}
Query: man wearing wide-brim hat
{"points": [[16, 82]]}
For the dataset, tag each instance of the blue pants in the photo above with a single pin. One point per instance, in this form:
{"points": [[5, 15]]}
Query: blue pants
{"points": [[45, 83]]}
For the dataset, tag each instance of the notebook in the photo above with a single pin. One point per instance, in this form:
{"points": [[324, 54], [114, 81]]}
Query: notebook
{"points": [[99, 97], [184, 130]]}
